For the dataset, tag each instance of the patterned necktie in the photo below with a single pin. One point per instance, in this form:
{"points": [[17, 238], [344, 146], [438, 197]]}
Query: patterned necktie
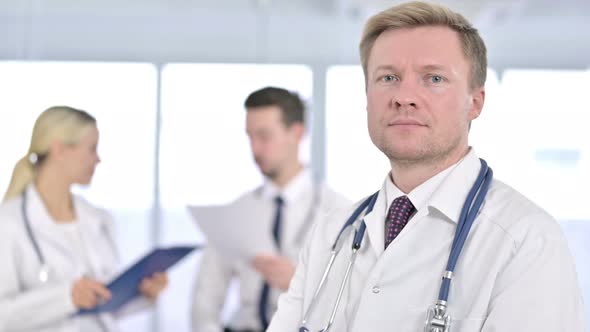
{"points": [[400, 211], [265, 292]]}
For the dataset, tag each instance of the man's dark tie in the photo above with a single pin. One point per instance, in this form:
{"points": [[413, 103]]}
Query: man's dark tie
{"points": [[276, 233], [400, 211]]}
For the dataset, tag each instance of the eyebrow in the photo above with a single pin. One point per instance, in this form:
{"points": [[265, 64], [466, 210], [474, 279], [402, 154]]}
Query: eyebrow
{"points": [[384, 67], [425, 68]]}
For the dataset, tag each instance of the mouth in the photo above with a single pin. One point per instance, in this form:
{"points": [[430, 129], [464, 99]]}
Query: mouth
{"points": [[408, 123]]}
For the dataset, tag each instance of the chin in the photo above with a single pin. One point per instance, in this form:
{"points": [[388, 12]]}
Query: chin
{"points": [[401, 154], [269, 173], [85, 181]]}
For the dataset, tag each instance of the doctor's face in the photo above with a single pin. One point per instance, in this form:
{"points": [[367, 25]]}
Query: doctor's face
{"points": [[419, 103], [80, 159], [274, 145]]}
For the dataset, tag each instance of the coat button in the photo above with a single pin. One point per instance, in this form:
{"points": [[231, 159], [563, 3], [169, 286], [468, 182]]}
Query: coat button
{"points": [[376, 289]]}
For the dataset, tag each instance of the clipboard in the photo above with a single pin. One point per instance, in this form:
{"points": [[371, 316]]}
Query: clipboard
{"points": [[125, 287]]}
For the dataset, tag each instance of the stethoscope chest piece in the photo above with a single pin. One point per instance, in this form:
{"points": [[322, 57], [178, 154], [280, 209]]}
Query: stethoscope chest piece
{"points": [[437, 319], [44, 273]]}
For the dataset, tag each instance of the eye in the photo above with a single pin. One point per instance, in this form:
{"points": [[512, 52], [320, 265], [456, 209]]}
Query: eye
{"points": [[387, 78], [264, 136], [436, 79]]}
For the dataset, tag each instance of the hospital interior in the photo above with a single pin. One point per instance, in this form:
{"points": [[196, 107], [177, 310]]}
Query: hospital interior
{"points": [[167, 79]]}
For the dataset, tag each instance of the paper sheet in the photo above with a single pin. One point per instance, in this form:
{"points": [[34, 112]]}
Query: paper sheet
{"points": [[238, 230]]}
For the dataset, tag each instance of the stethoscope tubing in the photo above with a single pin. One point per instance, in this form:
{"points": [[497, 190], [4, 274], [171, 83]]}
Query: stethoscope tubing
{"points": [[29, 230], [471, 207]]}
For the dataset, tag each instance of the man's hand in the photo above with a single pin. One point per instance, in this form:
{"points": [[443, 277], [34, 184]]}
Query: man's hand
{"points": [[87, 293], [151, 287], [276, 270]]}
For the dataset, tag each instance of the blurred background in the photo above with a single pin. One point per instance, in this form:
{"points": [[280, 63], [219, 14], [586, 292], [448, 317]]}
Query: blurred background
{"points": [[167, 79]]}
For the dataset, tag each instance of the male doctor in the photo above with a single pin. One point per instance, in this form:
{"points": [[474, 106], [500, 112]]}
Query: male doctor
{"points": [[425, 69], [275, 127]]}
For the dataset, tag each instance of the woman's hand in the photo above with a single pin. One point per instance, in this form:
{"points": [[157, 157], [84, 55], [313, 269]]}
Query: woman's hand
{"points": [[88, 293]]}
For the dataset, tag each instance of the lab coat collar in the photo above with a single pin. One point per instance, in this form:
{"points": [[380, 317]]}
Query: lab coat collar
{"points": [[46, 230], [450, 196], [41, 220], [42, 224]]}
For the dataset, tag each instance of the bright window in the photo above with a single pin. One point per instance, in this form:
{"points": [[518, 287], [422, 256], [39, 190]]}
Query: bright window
{"points": [[543, 138]]}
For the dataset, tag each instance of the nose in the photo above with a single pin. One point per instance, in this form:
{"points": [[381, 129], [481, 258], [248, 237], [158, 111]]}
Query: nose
{"points": [[255, 146], [405, 95]]}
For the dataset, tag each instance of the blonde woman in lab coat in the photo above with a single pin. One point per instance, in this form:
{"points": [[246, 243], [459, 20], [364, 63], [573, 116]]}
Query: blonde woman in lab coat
{"points": [[57, 250]]}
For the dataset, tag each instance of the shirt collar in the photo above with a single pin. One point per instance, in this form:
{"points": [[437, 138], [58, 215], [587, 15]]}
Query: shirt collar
{"points": [[292, 191], [445, 192]]}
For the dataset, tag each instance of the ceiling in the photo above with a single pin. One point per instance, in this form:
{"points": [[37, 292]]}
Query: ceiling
{"points": [[473, 9], [519, 32]]}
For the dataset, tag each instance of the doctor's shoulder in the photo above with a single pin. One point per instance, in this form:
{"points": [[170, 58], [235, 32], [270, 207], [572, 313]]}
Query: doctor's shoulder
{"points": [[11, 222], [251, 196], [10, 216], [331, 200], [12, 227], [330, 223], [518, 216]]}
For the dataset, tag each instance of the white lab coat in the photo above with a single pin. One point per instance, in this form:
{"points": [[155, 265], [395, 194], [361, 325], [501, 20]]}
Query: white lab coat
{"points": [[26, 304], [515, 272], [216, 272]]}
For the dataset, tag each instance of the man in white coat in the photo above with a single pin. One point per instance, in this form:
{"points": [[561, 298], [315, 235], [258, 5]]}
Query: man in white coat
{"points": [[275, 127], [425, 69]]}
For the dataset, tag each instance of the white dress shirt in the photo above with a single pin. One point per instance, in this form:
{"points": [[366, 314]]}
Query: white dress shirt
{"points": [[304, 202], [515, 272]]}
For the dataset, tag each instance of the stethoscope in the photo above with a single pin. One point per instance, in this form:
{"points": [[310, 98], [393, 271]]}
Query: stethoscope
{"points": [[44, 267], [437, 318]]}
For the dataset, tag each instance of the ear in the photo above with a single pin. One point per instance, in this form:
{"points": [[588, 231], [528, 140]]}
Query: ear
{"points": [[56, 150], [478, 97], [297, 129]]}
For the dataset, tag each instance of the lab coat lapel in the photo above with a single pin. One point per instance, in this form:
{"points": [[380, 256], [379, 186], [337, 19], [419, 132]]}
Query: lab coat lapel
{"points": [[375, 222], [44, 228], [94, 235]]}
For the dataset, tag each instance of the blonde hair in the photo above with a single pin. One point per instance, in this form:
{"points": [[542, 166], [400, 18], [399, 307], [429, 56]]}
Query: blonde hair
{"points": [[59, 123], [415, 14]]}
